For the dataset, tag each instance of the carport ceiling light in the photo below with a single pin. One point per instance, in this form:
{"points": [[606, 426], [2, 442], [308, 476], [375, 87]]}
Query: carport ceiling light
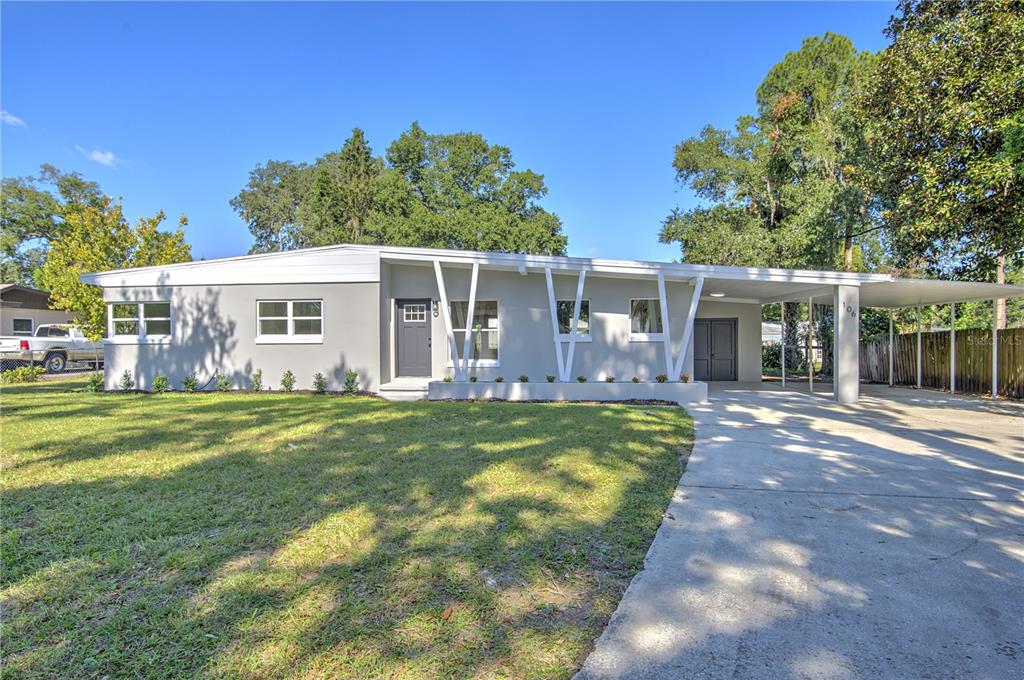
{"points": [[717, 294]]}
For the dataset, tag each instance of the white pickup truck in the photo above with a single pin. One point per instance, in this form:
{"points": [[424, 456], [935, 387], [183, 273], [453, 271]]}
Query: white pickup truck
{"points": [[53, 347]]}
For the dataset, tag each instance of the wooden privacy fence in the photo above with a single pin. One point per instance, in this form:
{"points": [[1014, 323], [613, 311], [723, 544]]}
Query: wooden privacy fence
{"points": [[973, 361]]}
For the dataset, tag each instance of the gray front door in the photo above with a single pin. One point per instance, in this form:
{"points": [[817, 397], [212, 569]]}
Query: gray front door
{"points": [[714, 349], [412, 342]]}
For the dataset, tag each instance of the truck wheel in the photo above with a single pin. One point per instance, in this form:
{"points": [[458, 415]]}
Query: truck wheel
{"points": [[55, 362]]}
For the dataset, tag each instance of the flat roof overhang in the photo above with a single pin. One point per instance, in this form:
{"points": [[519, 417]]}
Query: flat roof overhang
{"points": [[752, 285], [902, 293]]}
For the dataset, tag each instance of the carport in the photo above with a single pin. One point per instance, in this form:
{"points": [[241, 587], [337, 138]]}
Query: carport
{"points": [[890, 294]]}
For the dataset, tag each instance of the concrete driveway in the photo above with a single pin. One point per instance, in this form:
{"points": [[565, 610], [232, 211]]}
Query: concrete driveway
{"points": [[812, 540]]}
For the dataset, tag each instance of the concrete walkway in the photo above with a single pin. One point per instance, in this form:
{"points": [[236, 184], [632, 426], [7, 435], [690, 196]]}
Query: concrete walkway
{"points": [[810, 540]]}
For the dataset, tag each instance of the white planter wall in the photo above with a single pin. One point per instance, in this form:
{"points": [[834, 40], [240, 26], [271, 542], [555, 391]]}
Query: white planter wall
{"points": [[683, 393]]}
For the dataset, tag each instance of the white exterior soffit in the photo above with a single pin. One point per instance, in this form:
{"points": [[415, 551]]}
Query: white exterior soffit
{"points": [[355, 263], [901, 293], [623, 268]]}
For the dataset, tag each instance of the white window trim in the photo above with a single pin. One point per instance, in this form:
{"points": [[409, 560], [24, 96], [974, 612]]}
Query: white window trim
{"points": [[290, 338], [406, 308], [580, 337], [477, 363], [642, 337], [21, 334], [141, 338], [138, 340]]}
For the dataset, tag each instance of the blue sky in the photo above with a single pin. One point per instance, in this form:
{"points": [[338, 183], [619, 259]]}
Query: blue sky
{"points": [[171, 105]]}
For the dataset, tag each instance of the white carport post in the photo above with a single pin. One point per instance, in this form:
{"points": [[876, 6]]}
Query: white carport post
{"points": [[554, 324], [446, 314], [952, 348], [782, 340], [919, 348], [846, 344], [995, 349], [810, 344], [892, 349]]}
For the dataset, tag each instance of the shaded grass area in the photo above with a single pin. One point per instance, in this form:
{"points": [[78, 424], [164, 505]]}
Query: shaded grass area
{"points": [[271, 535]]}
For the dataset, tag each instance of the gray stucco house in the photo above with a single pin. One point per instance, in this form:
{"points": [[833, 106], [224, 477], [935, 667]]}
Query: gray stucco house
{"points": [[405, 318]]}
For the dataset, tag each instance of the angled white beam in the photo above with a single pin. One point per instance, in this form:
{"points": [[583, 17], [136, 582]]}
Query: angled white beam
{"points": [[666, 331], [554, 324], [952, 348], [691, 314], [995, 349], [446, 314], [575, 322], [467, 340], [782, 340]]}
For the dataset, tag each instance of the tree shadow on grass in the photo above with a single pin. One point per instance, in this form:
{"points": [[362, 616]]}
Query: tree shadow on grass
{"points": [[270, 536]]}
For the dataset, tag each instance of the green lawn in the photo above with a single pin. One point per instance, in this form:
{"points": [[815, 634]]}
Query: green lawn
{"points": [[272, 535]]}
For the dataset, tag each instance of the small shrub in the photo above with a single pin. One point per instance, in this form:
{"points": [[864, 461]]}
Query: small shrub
{"points": [[685, 377], [609, 378], [581, 378], [661, 377], [550, 378], [21, 374], [472, 378], [499, 379], [351, 382], [161, 384], [636, 378], [524, 378], [223, 382], [319, 383], [95, 383], [190, 383], [447, 378], [257, 380], [288, 381], [127, 382]]}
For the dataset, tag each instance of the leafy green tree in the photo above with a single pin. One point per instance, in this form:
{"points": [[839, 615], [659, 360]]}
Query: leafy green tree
{"points": [[269, 204], [786, 187], [445, 191], [342, 195], [32, 215], [783, 187], [946, 132], [97, 239]]}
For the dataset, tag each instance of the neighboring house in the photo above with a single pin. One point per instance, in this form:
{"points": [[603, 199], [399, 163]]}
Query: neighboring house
{"points": [[389, 313], [23, 308]]}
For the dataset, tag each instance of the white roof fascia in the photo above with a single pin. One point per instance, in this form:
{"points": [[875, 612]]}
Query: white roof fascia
{"points": [[627, 267], [328, 264]]}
